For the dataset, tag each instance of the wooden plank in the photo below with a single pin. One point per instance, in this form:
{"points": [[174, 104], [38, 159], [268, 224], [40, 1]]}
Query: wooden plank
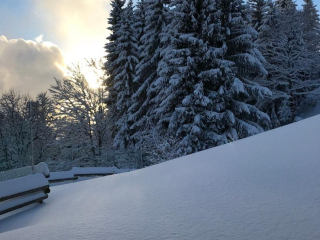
{"points": [[93, 174], [23, 204], [24, 193], [62, 179]]}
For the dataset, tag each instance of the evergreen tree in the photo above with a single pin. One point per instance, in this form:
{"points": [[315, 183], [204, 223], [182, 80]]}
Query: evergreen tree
{"points": [[244, 65], [288, 61], [156, 18], [140, 23], [284, 5], [111, 65], [310, 17], [186, 74], [203, 95], [124, 79], [311, 30], [258, 10], [269, 47]]}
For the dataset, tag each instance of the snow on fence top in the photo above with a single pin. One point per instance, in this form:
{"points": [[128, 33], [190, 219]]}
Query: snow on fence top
{"points": [[42, 168], [24, 171], [93, 170], [77, 171], [123, 170], [23, 184], [61, 175]]}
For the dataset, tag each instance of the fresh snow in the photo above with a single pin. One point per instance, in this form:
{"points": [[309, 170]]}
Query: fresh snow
{"points": [[92, 170], [42, 168], [262, 187], [23, 184], [61, 175], [98, 170], [123, 170], [56, 176]]}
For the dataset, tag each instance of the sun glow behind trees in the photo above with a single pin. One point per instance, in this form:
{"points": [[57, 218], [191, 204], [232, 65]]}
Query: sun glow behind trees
{"points": [[91, 78], [93, 74]]}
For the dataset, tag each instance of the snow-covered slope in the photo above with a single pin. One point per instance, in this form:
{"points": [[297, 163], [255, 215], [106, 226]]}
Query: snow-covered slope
{"points": [[263, 187]]}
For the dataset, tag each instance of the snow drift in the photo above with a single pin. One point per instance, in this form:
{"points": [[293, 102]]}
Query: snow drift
{"points": [[263, 187]]}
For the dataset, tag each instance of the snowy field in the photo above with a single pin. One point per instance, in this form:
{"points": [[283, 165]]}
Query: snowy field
{"points": [[263, 187]]}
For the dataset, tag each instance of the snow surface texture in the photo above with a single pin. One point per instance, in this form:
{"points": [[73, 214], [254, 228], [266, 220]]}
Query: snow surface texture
{"points": [[23, 184], [262, 187]]}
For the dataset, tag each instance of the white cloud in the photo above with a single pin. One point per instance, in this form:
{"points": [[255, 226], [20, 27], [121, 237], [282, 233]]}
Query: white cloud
{"points": [[79, 27], [29, 66]]}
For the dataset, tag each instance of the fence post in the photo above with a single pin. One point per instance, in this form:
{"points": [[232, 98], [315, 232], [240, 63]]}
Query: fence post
{"points": [[31, 135]]}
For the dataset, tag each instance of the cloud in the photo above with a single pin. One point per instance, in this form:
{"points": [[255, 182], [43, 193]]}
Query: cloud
{"points": [[78, 27], [29, 66]]}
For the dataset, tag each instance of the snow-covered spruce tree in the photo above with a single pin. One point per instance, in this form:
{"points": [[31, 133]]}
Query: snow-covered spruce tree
{"points": [[243, 66], [311, 24], [124, 79], [150, 45], [140, 23], [258, 10], [311, 29], [288, 61], [204, 94], [268, 47], [285, 4], [111, 65], [183, 96]]}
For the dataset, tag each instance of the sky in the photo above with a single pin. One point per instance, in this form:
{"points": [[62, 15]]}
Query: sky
{"points": [[39, 38]]}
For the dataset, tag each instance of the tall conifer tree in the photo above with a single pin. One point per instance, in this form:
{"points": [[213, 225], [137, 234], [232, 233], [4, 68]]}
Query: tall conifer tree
{"points": [[258, 10], [288, 60], [124, 84], [311, 30], [111, 65], [204, 93], [156, 13]]}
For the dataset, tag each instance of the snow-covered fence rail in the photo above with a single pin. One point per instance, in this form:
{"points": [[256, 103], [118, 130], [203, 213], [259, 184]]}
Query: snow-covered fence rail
{"points": [[61, 176], [122, 159], [93, 171], [77, 172], [20, 192], [15, 173], [24, 171]]}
